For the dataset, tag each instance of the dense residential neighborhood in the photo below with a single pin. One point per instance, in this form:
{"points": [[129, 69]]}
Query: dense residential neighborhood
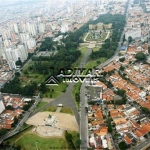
{"points": [[119, 115]]}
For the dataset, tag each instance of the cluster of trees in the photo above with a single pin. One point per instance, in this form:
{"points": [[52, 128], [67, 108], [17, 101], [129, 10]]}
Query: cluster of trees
{"points": [[19, 62], [107, 83], [28, 105], [63, 59], [68, 137], [47, 44], [3, 131], [123, 145], [145, 110], [122, 94], [140, 56], [110, 45], [122, 59], [109, 125], [14, 87]]}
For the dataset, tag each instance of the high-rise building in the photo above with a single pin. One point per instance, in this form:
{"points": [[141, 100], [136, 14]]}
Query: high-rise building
{"points": [[64, 28], [12, 55], [33, 29], [23, 27], [16, 54], [24, 37], [41, 28], [31, 43], [9, 59], [13, 37], [16, 28], [24, 53], [7, 43], [5, 34]]}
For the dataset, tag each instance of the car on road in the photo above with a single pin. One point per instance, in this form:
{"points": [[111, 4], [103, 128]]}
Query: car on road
{"points": [[60, 105]]}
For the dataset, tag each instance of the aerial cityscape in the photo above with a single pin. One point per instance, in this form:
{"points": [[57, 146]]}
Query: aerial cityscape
{"points": [[75, 74]]}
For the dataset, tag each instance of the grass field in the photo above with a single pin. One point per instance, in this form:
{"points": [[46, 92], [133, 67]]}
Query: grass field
{"points": [[96, 48], [66, 110], [55, 91], [15, 137], [29, 142], [40, 105], [94, 63], [50, 109]]}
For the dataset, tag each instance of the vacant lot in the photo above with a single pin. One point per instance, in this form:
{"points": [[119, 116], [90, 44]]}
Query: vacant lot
{"points": [[66, 121]]}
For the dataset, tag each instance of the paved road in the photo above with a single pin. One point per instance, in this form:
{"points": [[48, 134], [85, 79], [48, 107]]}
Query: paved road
{"points": [[83, 119], [143, 146]]}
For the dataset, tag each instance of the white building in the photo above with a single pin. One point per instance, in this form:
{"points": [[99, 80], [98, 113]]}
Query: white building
{"points": [[7, 43], [64, 28], [2, 107], [41, 28], [31, 43], [24, 37], [12, 55], [134, 33], [23, 27], [16, 53], [24, 53], [33, 30], [5, 34], [9, 58], [16, 28]]}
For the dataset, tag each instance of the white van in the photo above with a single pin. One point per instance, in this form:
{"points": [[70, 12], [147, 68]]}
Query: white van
{"points": [[60, 105]]}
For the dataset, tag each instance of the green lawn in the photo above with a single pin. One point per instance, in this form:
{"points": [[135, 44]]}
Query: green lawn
{"points": [[90, 37], [56, 90], [12, 139], [103, 36], [40, 105], [29, 140], [66, 110], [96, 48], [50, 109], [94, 63]]}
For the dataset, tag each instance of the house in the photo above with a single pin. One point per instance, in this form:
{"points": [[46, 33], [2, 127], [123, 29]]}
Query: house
{"points": [[127, 140], [123, 49]]}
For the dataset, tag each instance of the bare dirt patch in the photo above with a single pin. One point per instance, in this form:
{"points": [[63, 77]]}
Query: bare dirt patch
{"points": [[56, 127]]}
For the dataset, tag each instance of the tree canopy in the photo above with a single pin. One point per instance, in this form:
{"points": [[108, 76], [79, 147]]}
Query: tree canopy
{"points": [[140, 56]]}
